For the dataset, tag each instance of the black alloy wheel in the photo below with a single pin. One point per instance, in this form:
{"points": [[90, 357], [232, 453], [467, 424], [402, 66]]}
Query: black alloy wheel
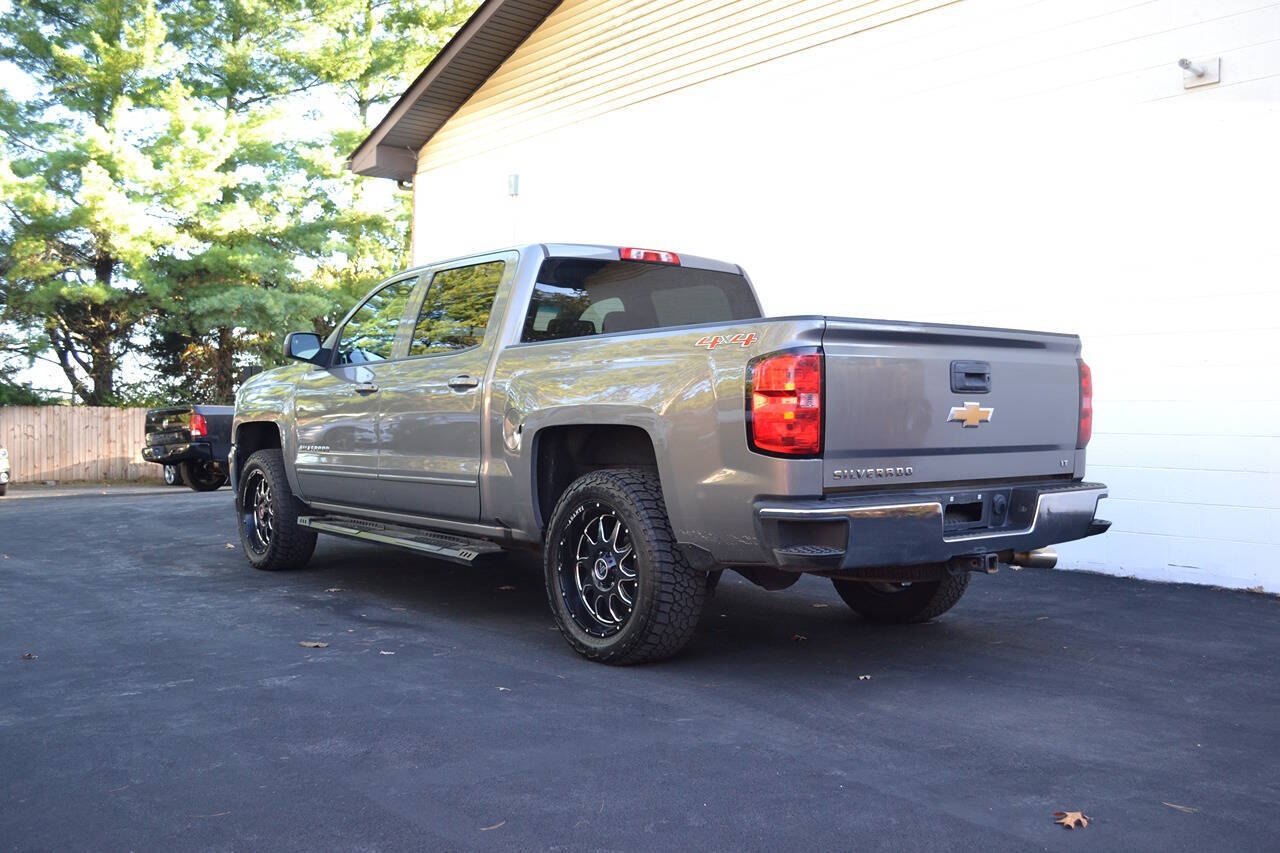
{"points": [[597, 573], [267, 514], [620, 588], [257, 515]]}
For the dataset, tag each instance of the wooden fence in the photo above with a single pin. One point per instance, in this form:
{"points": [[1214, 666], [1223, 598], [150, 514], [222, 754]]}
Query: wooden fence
{"points": [[62, 443]]}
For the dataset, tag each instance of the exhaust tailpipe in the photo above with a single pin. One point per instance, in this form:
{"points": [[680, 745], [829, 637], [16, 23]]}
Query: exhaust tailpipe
{"points": [[1041, 558]]}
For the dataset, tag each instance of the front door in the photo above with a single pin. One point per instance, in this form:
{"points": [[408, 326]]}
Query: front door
{"points": [[432, 401], [336, 408]]}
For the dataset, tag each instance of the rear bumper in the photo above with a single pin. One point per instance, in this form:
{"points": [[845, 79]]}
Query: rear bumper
{"points": [[172, 454], [914, 528]]}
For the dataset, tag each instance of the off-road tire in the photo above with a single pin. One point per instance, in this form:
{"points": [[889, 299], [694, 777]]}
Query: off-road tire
{"points": [[172, 475], [670, 593], [203, 476], [916, 602], [291, 544]]}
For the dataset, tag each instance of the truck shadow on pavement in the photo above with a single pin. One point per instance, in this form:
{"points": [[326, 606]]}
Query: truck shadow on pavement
{"points": [[806, 626]]}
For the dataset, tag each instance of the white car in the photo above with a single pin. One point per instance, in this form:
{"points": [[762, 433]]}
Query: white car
{"points": [[4, 471]]}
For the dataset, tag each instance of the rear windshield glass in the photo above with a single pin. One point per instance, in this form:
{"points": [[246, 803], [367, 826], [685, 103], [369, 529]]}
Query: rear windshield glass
{"points": [[575, 297]]}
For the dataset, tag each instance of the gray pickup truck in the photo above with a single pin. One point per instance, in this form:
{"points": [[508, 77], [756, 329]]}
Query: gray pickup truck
{"points": [[631, 414]]}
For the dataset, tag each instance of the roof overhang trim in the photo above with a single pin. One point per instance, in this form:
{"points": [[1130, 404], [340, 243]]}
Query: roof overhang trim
{"points": [[475, 52]]}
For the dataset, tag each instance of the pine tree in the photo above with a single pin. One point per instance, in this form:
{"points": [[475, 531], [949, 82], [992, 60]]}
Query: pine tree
{"points": [[80, 198]]}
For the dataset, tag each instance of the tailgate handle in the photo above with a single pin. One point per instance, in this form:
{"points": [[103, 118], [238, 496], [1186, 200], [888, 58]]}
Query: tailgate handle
{"points": [[973, 377]]}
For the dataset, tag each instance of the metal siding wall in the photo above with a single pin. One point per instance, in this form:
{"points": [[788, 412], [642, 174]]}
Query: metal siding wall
{"points": [[594, 56], [70, 443]]}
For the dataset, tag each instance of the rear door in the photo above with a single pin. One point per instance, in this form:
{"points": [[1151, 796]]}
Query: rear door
{"points": [[336, 408], [432, 401], [914, 404]]}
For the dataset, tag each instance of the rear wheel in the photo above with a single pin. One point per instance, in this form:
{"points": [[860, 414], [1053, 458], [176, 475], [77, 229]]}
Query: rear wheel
{"points": [[4, 487], [204, 476], [918, 601], [269, 531], [619, 588], [172, 475]]}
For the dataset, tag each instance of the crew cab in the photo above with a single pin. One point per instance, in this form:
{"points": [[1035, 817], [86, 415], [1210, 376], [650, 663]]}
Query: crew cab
{"points": [[630, 413]]}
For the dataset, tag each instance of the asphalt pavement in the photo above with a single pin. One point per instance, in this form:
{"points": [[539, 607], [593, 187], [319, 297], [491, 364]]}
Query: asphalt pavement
{"points": [[169, 705]]}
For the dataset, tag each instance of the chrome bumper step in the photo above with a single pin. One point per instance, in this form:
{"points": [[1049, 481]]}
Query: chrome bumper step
{"points": [[442, 546]]}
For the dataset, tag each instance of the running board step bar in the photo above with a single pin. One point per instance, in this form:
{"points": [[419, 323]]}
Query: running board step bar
{"points": [[442, 546]]}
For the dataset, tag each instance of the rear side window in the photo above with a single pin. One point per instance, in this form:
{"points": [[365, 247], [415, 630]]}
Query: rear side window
{"points": [[456, 309], [575, 297]]}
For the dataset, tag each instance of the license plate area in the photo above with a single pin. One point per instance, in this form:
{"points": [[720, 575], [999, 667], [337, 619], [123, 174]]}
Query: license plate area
{"points": [[968, 511]]}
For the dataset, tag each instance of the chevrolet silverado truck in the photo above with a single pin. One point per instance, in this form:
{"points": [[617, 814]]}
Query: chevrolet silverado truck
{"points": [[192, 443], [631, 414]]}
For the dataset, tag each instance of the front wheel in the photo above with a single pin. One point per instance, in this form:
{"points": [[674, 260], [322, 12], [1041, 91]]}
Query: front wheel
{"points": [[204, 476], [269, 531], [901, 603], [619, 588]]}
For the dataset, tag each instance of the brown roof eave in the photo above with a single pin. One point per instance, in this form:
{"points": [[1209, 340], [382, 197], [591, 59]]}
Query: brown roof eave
{"points": [[483, 43]]}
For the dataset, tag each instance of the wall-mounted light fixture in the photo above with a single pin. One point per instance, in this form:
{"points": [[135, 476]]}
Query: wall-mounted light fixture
{"points": [[1200, 72]]}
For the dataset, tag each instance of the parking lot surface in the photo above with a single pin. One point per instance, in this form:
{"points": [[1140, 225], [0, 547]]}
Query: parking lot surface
{"points": [[168, 705]]}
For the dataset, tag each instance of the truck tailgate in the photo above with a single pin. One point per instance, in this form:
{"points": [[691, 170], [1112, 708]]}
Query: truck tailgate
{"points": [[905, 404]]}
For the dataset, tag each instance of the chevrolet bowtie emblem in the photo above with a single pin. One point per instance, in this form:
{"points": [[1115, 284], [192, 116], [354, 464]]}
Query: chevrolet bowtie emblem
{"points": [[970, 414]]}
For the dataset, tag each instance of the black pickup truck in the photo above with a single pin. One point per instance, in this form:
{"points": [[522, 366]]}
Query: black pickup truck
{"points": [[192, 443]]}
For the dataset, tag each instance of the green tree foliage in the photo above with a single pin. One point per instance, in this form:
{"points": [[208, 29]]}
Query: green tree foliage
{"points": [[85, 200], [161, 194]]}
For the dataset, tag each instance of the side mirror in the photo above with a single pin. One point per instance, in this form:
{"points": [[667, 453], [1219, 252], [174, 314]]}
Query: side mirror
{"points": [[304, 346]]}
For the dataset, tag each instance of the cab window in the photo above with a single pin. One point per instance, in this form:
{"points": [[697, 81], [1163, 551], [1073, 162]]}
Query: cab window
{"points": [[370, 334], [455, 311]]}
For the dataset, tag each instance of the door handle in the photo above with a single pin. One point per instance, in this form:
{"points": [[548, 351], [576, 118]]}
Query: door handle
{"points": [[463, 382], [366, 388]]}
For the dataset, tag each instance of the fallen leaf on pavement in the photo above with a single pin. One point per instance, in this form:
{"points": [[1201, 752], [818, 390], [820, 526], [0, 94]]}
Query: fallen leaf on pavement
{"points": [[1071, 820], [232, 547], [798, 637], [864, 678], [495, 826], [313, 644], [504, 689], [1183, 809], [28, 656], [386, 653]]}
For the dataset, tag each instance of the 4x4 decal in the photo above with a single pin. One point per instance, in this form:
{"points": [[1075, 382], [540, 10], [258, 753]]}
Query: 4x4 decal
{"points": [[713, 341]]}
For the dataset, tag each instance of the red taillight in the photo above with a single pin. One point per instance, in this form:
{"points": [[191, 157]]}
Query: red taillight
{"points": [[1086, 405], [785, 403], [198, 425], [652, 256]]}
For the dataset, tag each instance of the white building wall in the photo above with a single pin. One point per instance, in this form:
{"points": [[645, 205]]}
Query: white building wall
{"points": [[998, 162]]}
